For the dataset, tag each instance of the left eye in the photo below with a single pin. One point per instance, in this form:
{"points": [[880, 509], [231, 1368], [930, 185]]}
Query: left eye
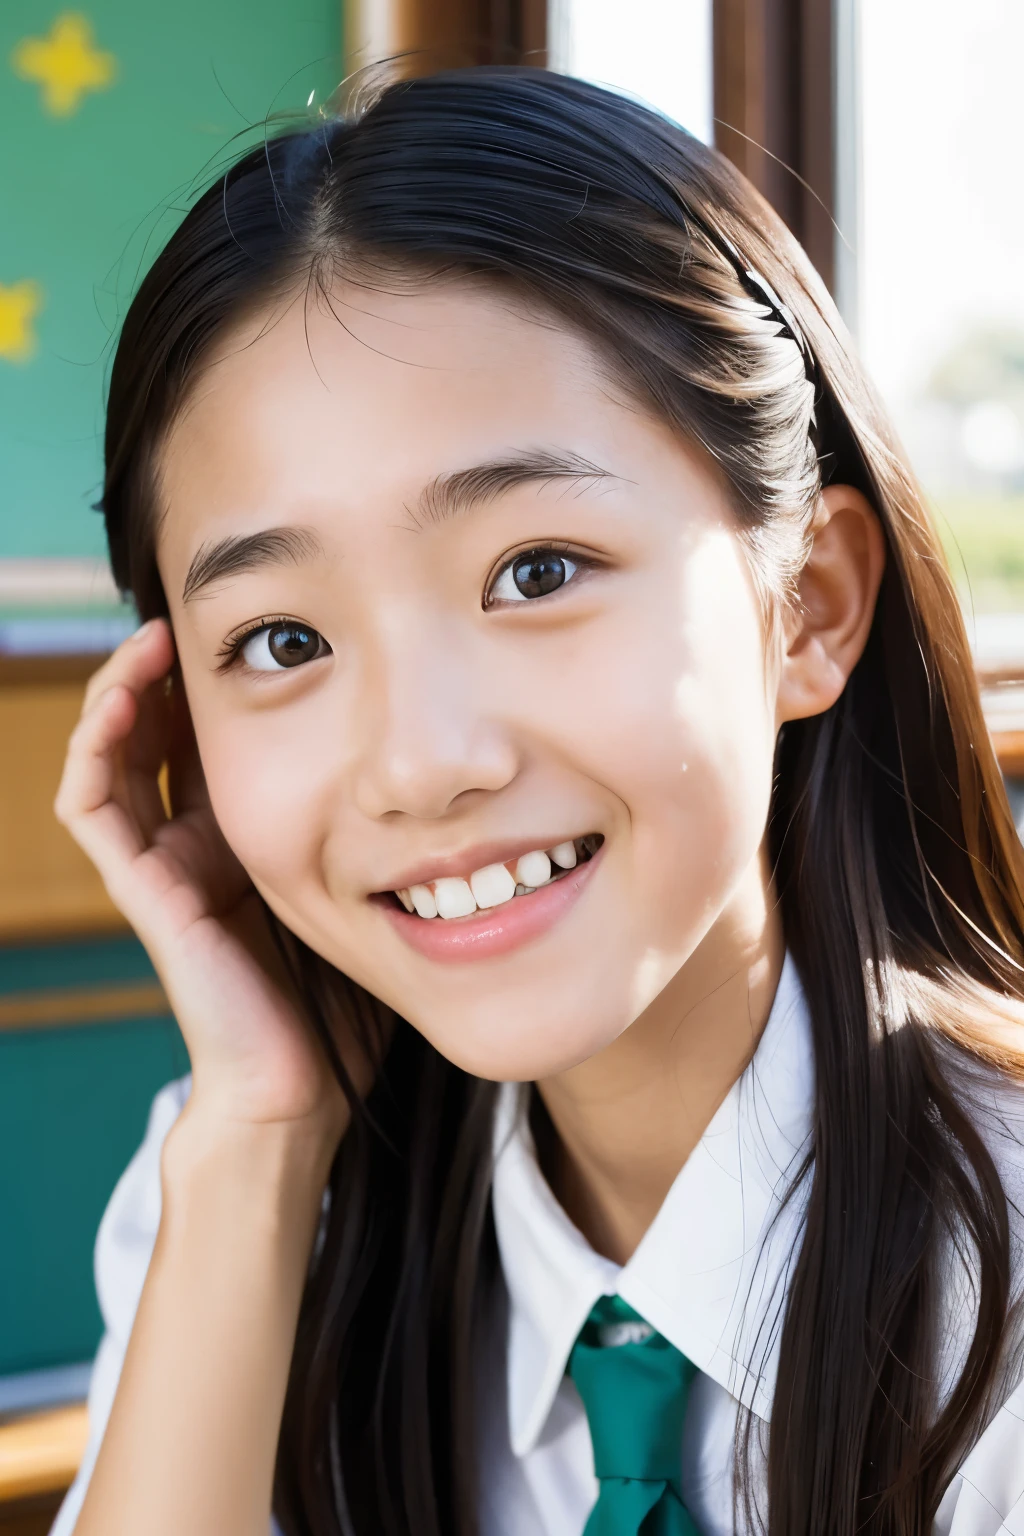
{"points": [[535, 573], [277, 646]]}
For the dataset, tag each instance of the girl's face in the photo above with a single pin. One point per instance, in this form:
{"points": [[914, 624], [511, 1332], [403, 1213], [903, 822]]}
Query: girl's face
{"points": [[445, 600]]}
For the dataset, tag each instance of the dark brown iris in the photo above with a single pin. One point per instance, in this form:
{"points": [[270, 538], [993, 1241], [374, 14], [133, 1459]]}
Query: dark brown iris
{"points": [[292, 644], [535, 575]]}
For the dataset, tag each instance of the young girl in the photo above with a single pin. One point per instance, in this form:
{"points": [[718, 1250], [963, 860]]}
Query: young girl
{"points": [[587, 890]]}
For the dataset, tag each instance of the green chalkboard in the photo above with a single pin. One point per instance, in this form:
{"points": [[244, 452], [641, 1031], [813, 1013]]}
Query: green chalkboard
{"points": [[112, 116], [73, 1108]]}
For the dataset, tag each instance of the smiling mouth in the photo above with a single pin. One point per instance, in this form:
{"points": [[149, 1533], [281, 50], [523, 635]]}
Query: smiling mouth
{"points": [[453, 896]]}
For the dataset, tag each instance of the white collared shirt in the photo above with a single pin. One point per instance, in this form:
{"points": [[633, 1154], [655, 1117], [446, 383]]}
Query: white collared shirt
{"points": [[710, 1274]]}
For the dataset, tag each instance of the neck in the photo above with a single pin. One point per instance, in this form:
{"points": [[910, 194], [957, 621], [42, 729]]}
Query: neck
{"points": [[623, 1123]]}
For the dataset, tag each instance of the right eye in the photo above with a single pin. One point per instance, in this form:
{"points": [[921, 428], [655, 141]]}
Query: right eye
{"points": [[281, 645]]}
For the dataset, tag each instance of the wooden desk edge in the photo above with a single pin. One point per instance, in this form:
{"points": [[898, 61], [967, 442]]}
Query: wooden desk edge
{"points": [[41, 1452]]}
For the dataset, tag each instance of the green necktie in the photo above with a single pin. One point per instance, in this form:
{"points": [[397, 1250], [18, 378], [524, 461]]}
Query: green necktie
{"points": [[633, 1384]]}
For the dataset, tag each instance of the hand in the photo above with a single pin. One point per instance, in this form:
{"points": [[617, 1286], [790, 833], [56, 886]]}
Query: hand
{"points": [[254, 1057]]}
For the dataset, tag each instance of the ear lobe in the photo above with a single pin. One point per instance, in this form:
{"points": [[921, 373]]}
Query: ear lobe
{"points": [[836, 594]]}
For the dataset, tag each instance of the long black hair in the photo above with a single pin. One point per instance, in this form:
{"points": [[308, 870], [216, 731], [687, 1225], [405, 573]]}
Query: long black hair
{"points": [[897, 864]]}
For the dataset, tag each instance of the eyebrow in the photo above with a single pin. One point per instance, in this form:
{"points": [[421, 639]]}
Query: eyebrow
{"points": [[445, 497], [248, 552], [451, 495]]}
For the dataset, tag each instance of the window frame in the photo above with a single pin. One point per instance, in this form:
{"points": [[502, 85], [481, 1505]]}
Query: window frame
{"points": [[775, 95], [445, 33]]}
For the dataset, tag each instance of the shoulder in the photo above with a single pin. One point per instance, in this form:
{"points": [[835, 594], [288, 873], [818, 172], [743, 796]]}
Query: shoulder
{"points": [[127, 1233], [986, 1497], [124, 1247], [995, 1103]]}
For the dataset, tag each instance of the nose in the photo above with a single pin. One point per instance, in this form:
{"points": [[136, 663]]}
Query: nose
{"points": [[431, 734]]}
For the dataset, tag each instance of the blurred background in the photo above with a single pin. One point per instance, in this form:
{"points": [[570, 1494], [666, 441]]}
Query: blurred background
{"points": [[886, 132]]}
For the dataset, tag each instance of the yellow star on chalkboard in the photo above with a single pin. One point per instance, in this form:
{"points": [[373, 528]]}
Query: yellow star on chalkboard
{"points": [[19, 305], [66, 64]]}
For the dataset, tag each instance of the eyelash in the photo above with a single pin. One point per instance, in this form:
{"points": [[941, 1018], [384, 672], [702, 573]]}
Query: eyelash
{"points": [[230, 652]]}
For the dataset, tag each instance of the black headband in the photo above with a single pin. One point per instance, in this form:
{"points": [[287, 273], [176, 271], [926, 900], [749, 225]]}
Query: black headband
{"points": [[760, 289]]}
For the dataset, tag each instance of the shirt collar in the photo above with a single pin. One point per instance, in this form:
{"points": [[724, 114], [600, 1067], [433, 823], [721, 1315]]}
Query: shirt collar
{"points": [[712, 1270]]}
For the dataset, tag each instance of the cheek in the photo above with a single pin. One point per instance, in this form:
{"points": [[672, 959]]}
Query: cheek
{"points": [[676, 721], [266, 786]]}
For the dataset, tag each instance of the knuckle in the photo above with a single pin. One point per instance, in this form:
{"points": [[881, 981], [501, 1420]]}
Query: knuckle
{"points": [[111, 674], [97, 684], [79, 731], [63, 807], [97, 687]]}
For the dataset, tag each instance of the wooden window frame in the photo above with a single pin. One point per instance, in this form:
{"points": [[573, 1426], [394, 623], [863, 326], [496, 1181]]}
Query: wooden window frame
{"points": [[774, 84], [774, 92], [428, 34]]}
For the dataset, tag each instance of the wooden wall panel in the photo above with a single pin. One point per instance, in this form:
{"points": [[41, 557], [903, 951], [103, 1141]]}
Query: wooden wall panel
{"points": [[47, 885]]}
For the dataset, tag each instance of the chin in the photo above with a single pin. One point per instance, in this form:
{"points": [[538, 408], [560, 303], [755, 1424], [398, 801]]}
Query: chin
{"points": [[509, 1053]]}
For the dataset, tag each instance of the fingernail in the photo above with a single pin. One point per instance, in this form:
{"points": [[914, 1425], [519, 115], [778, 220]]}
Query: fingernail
{"points": [[143, 630]]}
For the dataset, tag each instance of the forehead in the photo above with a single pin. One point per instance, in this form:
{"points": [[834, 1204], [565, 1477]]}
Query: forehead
{"points": [[381, 390]]}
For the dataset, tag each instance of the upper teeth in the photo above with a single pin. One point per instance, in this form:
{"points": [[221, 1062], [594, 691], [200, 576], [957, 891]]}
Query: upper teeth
{"points": [[451, 896], [490, 886]]}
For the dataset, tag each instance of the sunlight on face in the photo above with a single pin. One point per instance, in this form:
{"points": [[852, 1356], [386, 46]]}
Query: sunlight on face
{"points": [[443, 600]]}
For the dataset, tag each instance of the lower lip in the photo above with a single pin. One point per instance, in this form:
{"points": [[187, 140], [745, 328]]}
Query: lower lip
{"points": [[497, 930]]}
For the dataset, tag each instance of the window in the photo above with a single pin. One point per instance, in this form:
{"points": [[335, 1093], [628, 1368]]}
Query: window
{"points": [[940, 259], [660, 51]]}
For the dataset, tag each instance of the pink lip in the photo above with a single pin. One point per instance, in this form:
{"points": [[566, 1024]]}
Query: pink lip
{"points": [[497, 930]]}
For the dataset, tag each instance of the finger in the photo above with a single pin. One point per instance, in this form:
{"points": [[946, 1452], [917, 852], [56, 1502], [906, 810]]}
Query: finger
{"points": [[187, 780], [146, 748], [144, 753], [111, 842], [138, 791], [88, 776], [86, 801], [96, 771], [137, 663]]}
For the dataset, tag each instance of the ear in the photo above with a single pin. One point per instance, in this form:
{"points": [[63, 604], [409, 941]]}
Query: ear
{"points": [[827, 626]]}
